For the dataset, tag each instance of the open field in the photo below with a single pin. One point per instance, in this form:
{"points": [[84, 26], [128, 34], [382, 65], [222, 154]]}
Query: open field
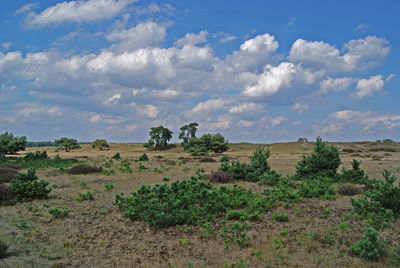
{"points": [[95, 234]]}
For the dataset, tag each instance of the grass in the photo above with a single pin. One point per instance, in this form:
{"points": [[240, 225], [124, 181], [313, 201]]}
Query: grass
{"points": [[95, 234]]}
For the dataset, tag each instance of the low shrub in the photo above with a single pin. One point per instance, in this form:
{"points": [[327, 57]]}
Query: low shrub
{"points": [[3, 249], [38, 155], [235, 233], [27, 186], [116, 156], [6, 193], [348, 189], [220, 176], [354, 175], [236, 214], [282, 217], [369, 247], [58, 213], [144, 157], [7, 174], [83, 169], [317, 188], [395, 257], [83, 197]]}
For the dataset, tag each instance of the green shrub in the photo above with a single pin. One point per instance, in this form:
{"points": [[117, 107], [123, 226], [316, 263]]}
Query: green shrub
{"points": [[354, 175], [323, 162], [144, 157], [83, 197], [3, 249], [282, 217], [27, 186], [395, 256], [236, 215], [38, 155], [186, 202], [207, 231], [208, 142], [108, 187], [369, 247], [40, 160], [58, 213], [235, 233], [317, 188], [116, 156]]}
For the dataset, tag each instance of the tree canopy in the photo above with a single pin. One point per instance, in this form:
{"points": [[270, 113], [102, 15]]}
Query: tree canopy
{"points": [[10, 144], [208, 142], [100, 143], [187, 132], [67, 144], [159, 138]]}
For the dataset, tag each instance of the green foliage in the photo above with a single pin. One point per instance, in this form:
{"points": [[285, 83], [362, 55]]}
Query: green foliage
{"points": [[369, 247], [126, 167], [207, 231], [323, 162], [354, 175], [236, 215], [116, 156], [395, 256], [317, 188], [159, 137], [186, 202], [208, 142], [83, 197], [38, 155], [108, 187], [67, 144], [282, 217], [27, 186], [10, 144], [41, 160], [235, 233], [143, 157], [58, 213], [188, 132], [3, 249], [100, 143]]}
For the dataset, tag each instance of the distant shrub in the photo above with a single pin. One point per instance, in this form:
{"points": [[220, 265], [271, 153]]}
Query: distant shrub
{"points": [[369, 247], [82, 169], [324, 161], [7, 174], [282, 217], [58, 213], [224, 158], [27, 186], [100, 143], [38, 155], [83, 197], [116, 156], [301, 139], [388, 140], [6, 193], [144, 157], [236, 215], [348, 189], [3, 249], [220, 176]]}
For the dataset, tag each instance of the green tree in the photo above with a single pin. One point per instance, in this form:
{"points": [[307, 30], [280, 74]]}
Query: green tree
{"points": [[100, 143], [324, 161], [10, 144], [187, 132], [159, 138], [67, 144], [208, 142]]}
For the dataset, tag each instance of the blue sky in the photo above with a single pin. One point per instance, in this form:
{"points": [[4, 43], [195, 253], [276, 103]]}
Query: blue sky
{"points": [[254, 71]]}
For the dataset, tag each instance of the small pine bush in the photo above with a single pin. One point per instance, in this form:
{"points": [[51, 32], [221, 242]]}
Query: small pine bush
{"points": [[354, 175], [116, 156], [144, 157], [369, 247], [282, 217], [83, 197], [58, 213], [27, 186]]}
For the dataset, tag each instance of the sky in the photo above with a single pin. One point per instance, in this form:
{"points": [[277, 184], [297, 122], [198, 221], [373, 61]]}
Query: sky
{"points": [[254, 71]]}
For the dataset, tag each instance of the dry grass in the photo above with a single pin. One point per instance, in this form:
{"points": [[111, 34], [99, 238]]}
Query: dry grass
{"points": [[94, 234]]}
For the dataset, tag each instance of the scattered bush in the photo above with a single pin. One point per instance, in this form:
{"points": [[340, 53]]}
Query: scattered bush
{"points": [[116, 156], [10, 144], [7, 174], [317, 188], [6, 193], [220, 176], [27, 186], [354, 175], [348, 189], [83, 197], [323, 162], [159, 138], [208, 142], [369, 247], [282, 217], [144, 157], [108, 187], [83, 169], [395, 257], [235, 233], [3, 249], [41, 160], [236, 215], [58, 213]]}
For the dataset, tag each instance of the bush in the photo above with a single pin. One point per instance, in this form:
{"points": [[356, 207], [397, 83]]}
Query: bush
{"points": [[220, 176], [10, 144], [369, 247], [7, 174], [235, 233], [58, 213], [317, 188], [27, 186], [186, 202], [236, 215], [82, 169], [6, 193], [282, 217], [67, 144], [100, 143], [323, 162], [348, 189], [38, 155], [144, 157], [3, 249], [116, 156], [201, 146], [354, 175], [83, 197]]}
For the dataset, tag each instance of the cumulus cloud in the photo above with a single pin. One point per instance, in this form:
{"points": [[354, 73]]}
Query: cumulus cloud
{"points": [[154, 8], [207, 107], [105, 119], [148, 110], [300, 107], [335, 84], [192, 39], [113, 99], [366, 87], [277, 120], [224, 37], [245, 108], [74, 11]]}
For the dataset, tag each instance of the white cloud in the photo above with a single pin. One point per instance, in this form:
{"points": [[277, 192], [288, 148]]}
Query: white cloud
{"points": [[362, 27], [74, 11], [28, 110], [245, 108], [335, 84], [366, 87], [113, 99], [246, 123], [300, 107], [224, 37], [107, 119], [131, 127], [146, 34], [204, 108], [390, 77], [192, 39], [277, 120], [332, 128], [265, 43], [148, 110], [165, 94], [154, 8], [272, 80]]}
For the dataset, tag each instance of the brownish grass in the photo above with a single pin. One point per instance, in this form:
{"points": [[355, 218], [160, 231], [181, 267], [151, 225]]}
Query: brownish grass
{"points": [[95, 234]]}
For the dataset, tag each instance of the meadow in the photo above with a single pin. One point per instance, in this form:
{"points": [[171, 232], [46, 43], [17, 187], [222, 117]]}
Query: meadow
{"points": [[81, 224]]}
